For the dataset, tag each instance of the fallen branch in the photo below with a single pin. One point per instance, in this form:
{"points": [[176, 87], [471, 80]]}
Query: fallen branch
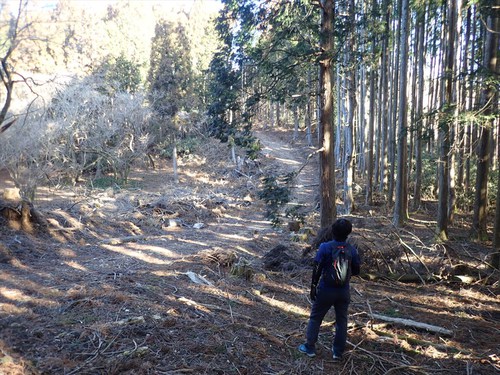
{"points": [[414, 324], [205, 307], [418, 342], [140, 237], [402, 278], [397, 370], [120, 240], [197, 279], [405, 245]]}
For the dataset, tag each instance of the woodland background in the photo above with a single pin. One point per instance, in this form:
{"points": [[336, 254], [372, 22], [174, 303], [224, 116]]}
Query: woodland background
{"points": [[188, 113]]}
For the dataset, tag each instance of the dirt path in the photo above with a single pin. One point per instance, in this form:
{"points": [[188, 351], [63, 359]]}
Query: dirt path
{"points": [[292, 158]]}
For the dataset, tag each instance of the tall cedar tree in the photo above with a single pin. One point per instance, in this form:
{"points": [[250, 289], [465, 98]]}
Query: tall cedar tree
{"points": [[326, 133], [487, 101]]}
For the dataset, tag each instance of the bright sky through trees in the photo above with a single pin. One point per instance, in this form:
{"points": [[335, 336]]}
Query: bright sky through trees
{"points": [[210, 4]]}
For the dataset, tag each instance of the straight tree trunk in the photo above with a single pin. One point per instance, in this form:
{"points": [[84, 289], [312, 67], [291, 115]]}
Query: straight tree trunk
{"points": [[400, 207], [319, 107], [470, 103], [340, 119], [395, 102], [362, 123], [495, 258], [349, 129], [327, 136], [361, 150], [469, 132], [271, 114], [452, 200], [371, 120], [430, 95], [278, 115], [462, 103], [295, 123], [174, 161], [444, 126], [308, 111], [417, 196], [479, 224], [414, 98], [384, 113]]}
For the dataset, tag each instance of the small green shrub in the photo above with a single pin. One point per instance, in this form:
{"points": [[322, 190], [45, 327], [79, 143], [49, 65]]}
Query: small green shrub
{"points": [[276, 194], [106, 182], [429, 176], [185, 146]]}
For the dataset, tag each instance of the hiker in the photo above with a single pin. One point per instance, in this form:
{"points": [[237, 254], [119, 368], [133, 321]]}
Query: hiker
{"points": [[334, 263]]}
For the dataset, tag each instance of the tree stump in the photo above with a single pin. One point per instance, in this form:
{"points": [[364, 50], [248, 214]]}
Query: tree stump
{"points": [[22, 215]]}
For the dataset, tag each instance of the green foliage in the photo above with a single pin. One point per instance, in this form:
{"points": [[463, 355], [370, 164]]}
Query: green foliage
{"points": [[185, 146], [223, 98], [170, 75], [429, 178], [492, 186], [267, 51], [465, 199], [276, 194], [246, 140], [119, 75], [107, 182], [391, 311]]}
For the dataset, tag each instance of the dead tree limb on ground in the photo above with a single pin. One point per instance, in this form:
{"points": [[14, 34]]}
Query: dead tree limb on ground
{"points": [[414, 324]]}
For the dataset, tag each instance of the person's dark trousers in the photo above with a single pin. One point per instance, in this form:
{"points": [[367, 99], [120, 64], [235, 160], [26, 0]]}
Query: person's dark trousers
{"points": [[327, 297]]}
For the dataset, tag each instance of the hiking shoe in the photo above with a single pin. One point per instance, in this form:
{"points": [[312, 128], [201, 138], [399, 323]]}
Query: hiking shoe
{"points": [[304, 348], [337, 358]]}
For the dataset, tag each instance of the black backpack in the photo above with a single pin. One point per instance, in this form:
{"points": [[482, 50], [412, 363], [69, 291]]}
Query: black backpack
{"points": [[341, 265]]}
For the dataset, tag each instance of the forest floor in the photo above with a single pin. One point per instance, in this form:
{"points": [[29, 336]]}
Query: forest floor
{"points": [[190, 278]]}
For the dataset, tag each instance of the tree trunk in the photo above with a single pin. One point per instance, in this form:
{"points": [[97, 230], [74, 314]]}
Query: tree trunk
{"points": [[340, 120], [495, 259], [278, 115], [371, 120], [395, 102], [452, 200], [295, 123], [326, 157], [444, 126], [362, 168], [174, 162], [349, 129], [271, 114], [414, 100], [308, 111], [463, 96], [384, 114], [400, 209], [417, 198], [470, 105], [490, 53], [430, 94]]}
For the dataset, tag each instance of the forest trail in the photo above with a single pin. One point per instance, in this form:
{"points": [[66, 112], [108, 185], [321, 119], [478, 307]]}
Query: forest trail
{"points": [[292, 157]]}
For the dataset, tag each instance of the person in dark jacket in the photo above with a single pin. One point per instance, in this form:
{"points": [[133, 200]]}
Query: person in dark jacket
{"points": [[328, 294]]}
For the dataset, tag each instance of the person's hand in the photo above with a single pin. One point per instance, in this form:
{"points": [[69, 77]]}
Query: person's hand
{"points": [[312, 294]]}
